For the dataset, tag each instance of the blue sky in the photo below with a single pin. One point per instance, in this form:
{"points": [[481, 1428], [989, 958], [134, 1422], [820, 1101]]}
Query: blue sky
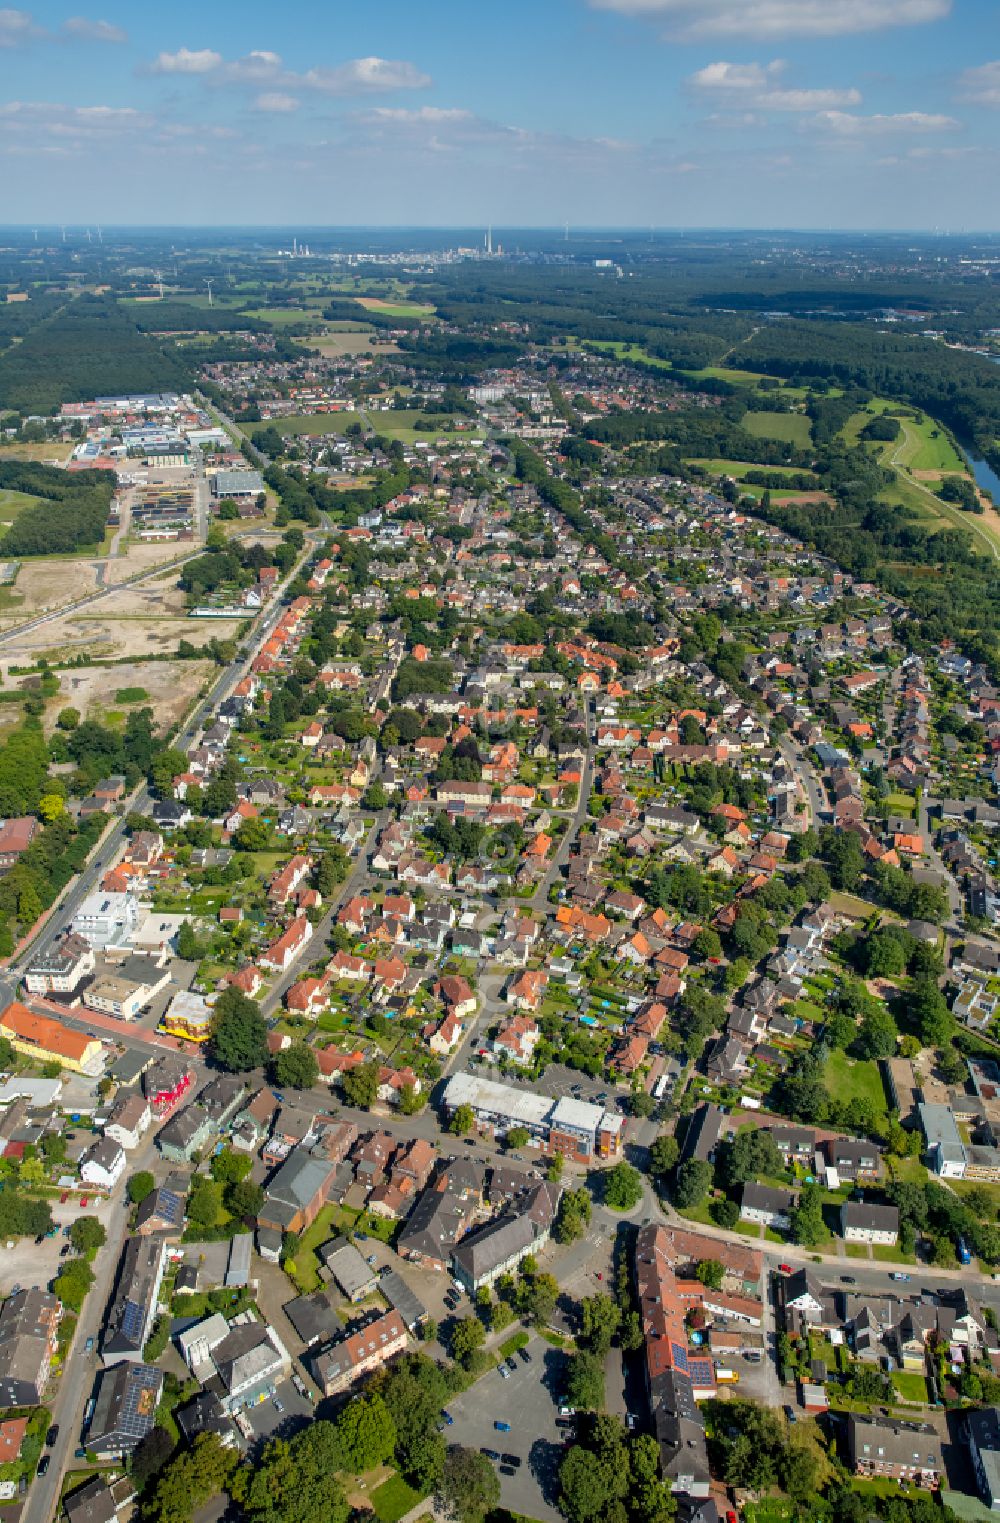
{"points": [[738, 113]]}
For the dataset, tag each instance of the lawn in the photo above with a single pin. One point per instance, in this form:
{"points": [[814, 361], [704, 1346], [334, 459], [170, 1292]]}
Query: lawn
{"points": [[623, 351], [519, 1340], [928, 448], [768, 1510], [795, 427], [911, 1385], [394, 1499], [12, 503], [738, 468], [846, 1077], [304, 1267]]}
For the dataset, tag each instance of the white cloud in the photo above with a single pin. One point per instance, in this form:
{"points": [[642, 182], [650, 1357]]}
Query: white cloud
{"points": [[435, 115], [187, 61], [692, 19], [807, 100], [93, 31], [358, 76], [844, 124], [362, 75], [981, 84], [16, 27], [734, 76], [276, 103], [750, 84]]}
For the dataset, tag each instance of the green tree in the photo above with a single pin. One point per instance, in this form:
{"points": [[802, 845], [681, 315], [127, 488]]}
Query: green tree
{"points": [[87, 1234], [229, 1167], [238, 1040], [517, 1137], [462, 1121], [204, 1202], [193, 1477], [296, 1067], [295, 1481], [622, 1186], [877, 1035], [664, 1153], [694, 1179], [573, 1215], [140, 1185], [600, 1319], [467, 1338], [537, 1295], [72, 1283], [710, 1272], [585, 1381], [469, 1487], [366, 1434], [807, 1217], [244, 1199], [360, 1086]]}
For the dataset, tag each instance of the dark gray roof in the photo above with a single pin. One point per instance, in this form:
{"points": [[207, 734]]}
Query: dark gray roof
{"points": [[125, 1407]]}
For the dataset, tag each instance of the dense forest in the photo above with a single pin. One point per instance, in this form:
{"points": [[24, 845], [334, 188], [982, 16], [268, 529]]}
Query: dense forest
{"points": [[89, 347], [71, 516]]}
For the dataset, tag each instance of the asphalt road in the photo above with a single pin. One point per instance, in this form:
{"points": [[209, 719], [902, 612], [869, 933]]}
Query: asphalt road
{"points": [[77, 1380]]}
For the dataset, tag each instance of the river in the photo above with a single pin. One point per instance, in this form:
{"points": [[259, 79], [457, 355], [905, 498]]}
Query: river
{"points": [[986, 476]]}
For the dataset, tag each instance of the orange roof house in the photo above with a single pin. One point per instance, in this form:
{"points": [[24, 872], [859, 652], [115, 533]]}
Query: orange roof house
{"points": [[42, 1037]]}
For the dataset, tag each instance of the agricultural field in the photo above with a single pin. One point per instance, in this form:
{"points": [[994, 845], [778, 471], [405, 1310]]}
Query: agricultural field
{"points": [[336, 342], [794, 427], [738, 468], [397, 308]]}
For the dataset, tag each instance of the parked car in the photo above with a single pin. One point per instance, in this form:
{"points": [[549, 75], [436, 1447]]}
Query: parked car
{"points": [[565, 1411], [848, 1279], [524, 1355], [491, 1454], [504, 1372], [447, 1416], [785, 1268], [897, 1274], [512, 1459], [501, 1427], [43, 1464], [88, 1347], [511, 1362], [277, 1404], [507, 1470], [52, 1435]]}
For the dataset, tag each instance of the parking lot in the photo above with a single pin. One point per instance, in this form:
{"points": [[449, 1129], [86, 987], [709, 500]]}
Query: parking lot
{"points": [[528, 1400], [266, 1421]]}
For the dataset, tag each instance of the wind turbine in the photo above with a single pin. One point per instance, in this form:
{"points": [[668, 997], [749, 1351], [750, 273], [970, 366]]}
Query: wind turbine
{"points": [[35, 231], [64, 235], [100, 237], [209, 284], [159, 282]]}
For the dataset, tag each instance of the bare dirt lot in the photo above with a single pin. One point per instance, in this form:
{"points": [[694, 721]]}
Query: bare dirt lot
{"points": [[41, 585], [142, 558], [171, 687], [51, 451]]}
